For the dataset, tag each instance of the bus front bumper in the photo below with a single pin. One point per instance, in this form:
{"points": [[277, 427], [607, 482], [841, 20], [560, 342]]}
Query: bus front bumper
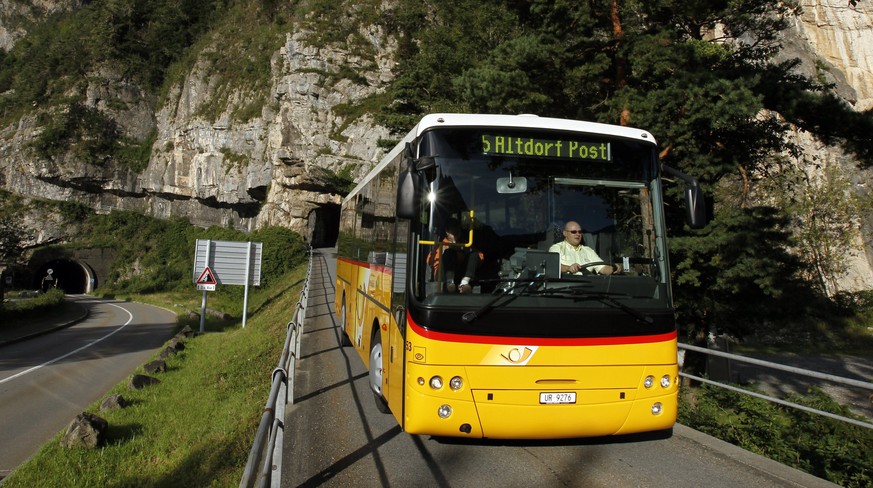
{"points": [[520, 415]]}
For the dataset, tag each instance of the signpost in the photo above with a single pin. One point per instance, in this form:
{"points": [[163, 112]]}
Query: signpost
{"points": [[226, 263], [48, 280]]}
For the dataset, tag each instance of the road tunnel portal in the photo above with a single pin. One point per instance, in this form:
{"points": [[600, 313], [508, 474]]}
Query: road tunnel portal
{"points": [[324, 225], [71, 276]]}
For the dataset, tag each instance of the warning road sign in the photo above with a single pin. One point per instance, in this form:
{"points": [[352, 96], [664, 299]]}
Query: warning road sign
{"points": [[206, 277], [206, 281]]}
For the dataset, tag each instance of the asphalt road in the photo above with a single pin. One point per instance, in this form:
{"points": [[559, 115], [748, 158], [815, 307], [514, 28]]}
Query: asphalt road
{"points": [[47, 380], [334, 436]]}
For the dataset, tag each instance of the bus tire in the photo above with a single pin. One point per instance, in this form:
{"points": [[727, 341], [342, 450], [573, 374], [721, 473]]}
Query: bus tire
{"points": [[663, 434], [345, 341], [376, 372]]}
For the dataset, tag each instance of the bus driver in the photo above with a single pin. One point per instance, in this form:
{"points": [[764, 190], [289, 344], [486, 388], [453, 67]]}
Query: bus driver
{"points": [[574, 254]]}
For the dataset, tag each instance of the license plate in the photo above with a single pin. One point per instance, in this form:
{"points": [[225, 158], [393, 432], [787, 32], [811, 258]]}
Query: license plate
{"points": [[553, 398]]}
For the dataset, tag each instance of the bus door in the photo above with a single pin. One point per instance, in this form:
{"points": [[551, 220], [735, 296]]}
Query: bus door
{"points": [[396, 350]]}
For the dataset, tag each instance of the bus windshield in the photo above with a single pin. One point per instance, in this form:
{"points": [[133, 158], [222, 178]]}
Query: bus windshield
{"points": [[498, 201]]}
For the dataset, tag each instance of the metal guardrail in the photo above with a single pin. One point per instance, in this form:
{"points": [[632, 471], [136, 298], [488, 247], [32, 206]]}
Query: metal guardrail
{"points": [[264, 465], [781, 367]]}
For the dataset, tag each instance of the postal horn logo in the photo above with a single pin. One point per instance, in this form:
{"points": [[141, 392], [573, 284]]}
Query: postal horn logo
{"points": [[519, 355]]}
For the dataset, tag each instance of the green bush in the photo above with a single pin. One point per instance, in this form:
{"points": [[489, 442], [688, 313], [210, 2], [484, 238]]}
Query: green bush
{"points": [[31, 306], [827, 448], [161, 256]]}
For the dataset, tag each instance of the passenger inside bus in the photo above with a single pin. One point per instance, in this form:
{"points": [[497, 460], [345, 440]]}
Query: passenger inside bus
{"points": [[453, 264], [575, 255]]}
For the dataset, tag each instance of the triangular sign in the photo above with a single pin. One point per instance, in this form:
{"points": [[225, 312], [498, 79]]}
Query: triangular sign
{"points": [[206, 277]]}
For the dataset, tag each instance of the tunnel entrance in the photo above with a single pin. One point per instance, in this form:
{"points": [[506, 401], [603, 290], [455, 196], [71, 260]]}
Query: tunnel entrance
{"points": [[70, 276], [324, 225]]}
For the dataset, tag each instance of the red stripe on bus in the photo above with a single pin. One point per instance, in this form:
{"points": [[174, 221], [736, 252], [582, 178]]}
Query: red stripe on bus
{"points": [[540, 341]]}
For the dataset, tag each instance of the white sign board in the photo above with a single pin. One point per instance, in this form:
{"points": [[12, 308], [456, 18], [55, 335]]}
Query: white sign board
{"points": [[228, 261]]}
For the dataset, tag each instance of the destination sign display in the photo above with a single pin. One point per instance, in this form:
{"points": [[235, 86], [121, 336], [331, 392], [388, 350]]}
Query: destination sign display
{"points": [[507, 145]]}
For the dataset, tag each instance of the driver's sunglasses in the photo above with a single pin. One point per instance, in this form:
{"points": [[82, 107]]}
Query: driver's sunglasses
{"points": [[574, 231]]}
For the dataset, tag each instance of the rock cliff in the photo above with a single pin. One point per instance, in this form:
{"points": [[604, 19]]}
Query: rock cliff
{"points": [[261, 171], [226, 172], [834, 38], [16, 14]]}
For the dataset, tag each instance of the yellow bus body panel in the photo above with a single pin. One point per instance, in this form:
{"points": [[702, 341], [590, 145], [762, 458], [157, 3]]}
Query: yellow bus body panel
{"points": [[502, 383], [367, 292], [500, 396]]}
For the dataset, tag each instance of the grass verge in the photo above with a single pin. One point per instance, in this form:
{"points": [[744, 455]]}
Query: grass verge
{"points": [[196, 427], [19, 312]]}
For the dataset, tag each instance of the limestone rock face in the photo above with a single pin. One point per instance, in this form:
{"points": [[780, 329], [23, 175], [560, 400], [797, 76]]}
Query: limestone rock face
{"points": [[219, 170], [258, 172], [834, 39], [841, 34], [15, 14], [227, 172]]}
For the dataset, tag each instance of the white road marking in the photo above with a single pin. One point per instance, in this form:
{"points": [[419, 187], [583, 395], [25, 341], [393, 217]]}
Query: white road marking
{"points": [[86, 346]]}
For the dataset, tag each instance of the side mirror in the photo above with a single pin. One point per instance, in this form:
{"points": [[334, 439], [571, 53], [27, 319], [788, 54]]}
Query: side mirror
{"points": [[408, 185], [407, 203], [695, 207], [426, 165], [695, 200]]}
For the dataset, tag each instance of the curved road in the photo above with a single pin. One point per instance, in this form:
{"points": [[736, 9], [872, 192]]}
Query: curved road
{"points": [[48, 380], [334, 436]]}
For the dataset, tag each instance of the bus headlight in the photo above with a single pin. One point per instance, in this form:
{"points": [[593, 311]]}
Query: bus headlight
{"points": [[444, 411], [649, 381], [665, 381], [456, 383], [656, 408], [436, 382]]}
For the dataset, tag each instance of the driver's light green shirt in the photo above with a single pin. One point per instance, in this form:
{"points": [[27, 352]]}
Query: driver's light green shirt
{"points": [[581, 254]]}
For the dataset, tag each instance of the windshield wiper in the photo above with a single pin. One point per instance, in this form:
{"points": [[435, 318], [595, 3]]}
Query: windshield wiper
{"points": [[475, 314], [582, 293]]}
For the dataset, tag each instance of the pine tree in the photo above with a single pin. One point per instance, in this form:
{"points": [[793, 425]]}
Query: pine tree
{"points": [[701, 77]]}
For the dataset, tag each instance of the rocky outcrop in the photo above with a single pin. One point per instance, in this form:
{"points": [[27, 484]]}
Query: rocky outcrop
{"points": [[259, 172], [14, 14], [228, 172], [834, 39], [219, 170], [306, 132], [840, 34]]}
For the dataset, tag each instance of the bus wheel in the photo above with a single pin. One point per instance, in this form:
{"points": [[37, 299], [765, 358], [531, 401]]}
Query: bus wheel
{"points": [[376, 372], [344, 336]]}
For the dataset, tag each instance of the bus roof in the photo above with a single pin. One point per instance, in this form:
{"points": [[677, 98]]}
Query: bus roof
{"points": [[523, 121], [529, 121]]}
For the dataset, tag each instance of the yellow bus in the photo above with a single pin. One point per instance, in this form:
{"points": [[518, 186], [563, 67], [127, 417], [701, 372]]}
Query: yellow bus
{"points": [[450, 288]]}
